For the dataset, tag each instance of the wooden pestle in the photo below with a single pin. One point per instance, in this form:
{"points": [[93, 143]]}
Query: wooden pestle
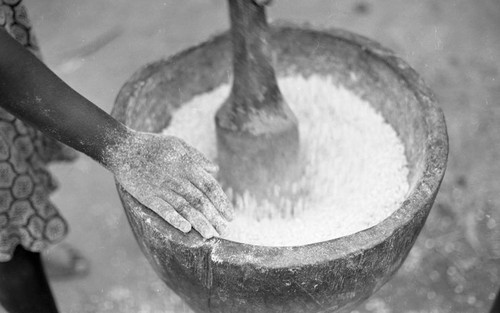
{"points": [[257, 133]]}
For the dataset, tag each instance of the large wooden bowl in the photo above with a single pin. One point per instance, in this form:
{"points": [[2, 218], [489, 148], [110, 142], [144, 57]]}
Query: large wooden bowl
{"points": [[224, 276]]}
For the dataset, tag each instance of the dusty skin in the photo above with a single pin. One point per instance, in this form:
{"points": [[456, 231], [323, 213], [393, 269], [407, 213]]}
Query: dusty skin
{"points": [[174, 181]]}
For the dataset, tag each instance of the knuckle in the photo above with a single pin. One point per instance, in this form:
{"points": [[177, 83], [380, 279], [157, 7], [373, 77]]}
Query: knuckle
{"points": [[178, 187], [209, 187], [199, 203], [183, 208]]}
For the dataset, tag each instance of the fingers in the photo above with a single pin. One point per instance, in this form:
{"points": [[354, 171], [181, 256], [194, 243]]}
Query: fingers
{"points": [[195, 217], [197, 200], [213, 191], [200, 158], [168, 213]]}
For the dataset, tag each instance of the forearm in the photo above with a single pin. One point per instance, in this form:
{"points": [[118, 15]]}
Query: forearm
{"points": [[33, 93]]}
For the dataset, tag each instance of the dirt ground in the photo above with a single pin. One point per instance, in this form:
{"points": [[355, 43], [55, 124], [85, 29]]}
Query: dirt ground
{"points": [[455, 44]]}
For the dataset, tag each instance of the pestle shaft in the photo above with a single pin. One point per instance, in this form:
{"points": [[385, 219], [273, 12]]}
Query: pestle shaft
{"points": [[255, 85]]}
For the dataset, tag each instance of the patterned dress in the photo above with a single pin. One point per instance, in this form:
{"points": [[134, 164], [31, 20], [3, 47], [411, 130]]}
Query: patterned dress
{"points": [[27, 217]]}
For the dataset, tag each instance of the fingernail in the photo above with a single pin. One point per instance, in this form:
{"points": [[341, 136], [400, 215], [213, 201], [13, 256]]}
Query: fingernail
{"points": [[222, 228], [212, 169], [214, 234], [185, 227], [207, 235]]}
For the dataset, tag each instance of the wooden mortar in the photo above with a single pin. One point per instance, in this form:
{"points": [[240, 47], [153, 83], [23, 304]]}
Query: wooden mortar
{"points": [[218, 275]]}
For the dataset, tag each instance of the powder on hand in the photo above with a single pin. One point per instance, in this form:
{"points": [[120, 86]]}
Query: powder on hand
{"points": [[355, 170]]}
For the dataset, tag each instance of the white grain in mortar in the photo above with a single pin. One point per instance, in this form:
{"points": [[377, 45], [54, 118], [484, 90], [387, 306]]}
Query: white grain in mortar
{"points": [[356, 170]]}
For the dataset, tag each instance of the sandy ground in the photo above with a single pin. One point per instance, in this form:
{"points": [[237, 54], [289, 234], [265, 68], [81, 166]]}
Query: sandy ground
{"points": [[96, 45]]}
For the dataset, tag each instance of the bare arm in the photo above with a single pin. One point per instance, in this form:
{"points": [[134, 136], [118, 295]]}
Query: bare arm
{"points": [[30, 91], [163, 173]]}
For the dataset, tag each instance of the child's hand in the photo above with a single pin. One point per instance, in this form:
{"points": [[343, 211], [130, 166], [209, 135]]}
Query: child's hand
{"points": [[173, 179], [163, 173]]}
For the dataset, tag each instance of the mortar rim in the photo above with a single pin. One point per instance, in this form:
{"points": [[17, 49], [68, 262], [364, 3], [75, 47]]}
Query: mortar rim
{"points": [[418, 201]]}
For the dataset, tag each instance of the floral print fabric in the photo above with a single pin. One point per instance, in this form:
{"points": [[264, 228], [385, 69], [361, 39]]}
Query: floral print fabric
{"points": [[27, 217]]}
